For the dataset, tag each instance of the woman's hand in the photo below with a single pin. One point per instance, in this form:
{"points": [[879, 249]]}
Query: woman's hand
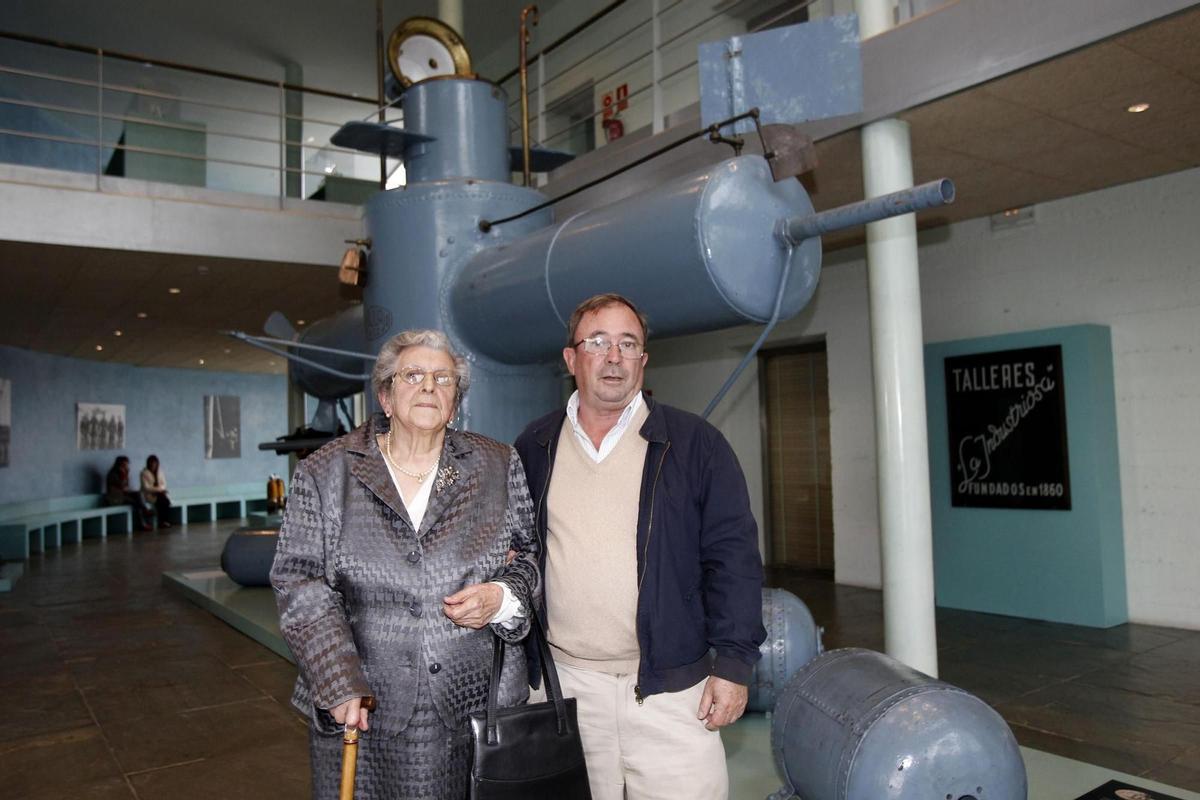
{"points": [[351, 714], [473, 606]]}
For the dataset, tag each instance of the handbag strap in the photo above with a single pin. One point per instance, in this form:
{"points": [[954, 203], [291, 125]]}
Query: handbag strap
{"points": [[549, 673]]}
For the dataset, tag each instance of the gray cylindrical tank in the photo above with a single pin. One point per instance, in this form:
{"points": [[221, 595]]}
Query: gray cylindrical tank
{"points": [[467, 123], [698, 253], [857, 725], [343, 331], [423, 233], [793, 639], [248, 555]]}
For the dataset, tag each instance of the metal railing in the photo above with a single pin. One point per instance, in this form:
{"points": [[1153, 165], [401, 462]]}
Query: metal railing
{"points": [[633, 64], [85, 109], [627, 68], [647, 51]]}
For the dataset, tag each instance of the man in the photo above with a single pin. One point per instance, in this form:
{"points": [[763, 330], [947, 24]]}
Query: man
{"points": [[650, 556]]}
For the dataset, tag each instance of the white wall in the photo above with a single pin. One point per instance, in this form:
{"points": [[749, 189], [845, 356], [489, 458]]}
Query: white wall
{"points": [[1126, 257]]}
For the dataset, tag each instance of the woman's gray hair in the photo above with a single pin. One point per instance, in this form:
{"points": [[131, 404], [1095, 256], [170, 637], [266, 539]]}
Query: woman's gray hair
{"points": [[385, 362]]}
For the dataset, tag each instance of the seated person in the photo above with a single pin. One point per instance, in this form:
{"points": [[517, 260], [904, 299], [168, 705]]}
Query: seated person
{"points": [[117, 492], [154, 491]]}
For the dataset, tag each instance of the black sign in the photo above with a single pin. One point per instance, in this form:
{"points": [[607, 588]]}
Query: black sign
{"points": [[1008, 429], [1115, 790]]}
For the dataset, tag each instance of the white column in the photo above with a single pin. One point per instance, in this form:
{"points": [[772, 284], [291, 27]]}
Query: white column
{"points": [[451, 13], [902, 448]]}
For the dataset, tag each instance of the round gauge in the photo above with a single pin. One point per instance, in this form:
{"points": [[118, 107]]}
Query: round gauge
{"points": [[423, 47]]}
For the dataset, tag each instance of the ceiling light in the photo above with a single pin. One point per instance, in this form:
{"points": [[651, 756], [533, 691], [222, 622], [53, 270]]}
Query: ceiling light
{"points": [[99, 347], [142, 315], [329, 170], [202, 362], [301, 322], [1138, 108], [174, 290], [202, 269], [227, 351], [310, 139], [118, 332]]}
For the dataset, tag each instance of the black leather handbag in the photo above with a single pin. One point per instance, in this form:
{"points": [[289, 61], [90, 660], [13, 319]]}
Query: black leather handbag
{"points": [[529, 752]]}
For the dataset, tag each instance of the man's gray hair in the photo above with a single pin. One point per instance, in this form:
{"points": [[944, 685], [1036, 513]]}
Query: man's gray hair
{"points": [[385, 362]]}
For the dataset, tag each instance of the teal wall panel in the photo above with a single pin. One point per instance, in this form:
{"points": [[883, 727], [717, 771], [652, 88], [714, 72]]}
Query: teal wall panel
{"points": [[164, 415], [1064, 566]]}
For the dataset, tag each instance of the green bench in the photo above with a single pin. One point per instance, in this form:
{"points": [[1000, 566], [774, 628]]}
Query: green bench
{"points": [[209, 503], [34, 526]]}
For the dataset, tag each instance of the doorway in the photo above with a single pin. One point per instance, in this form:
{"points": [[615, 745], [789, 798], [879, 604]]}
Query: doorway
{"points": [[794, 385]]}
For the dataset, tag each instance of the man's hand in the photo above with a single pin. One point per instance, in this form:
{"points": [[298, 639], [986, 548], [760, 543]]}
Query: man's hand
{"points": [[473, 606], [351, 714], [722, 703]]}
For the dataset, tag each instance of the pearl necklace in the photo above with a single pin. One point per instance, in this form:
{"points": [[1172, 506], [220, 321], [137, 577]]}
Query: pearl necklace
{"points": [[387, 454]]}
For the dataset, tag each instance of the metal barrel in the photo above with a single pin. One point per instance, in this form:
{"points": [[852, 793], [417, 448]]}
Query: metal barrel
{"points": [[857, 725], [248, 555], [927, 195], [698, 253], [793, 639]]}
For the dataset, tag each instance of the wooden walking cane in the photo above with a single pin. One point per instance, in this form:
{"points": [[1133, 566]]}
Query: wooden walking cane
{"points": [[350, 754]]}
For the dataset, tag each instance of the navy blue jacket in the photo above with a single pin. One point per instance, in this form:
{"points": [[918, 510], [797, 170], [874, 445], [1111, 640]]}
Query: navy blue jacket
{"points": [[699, 570]]}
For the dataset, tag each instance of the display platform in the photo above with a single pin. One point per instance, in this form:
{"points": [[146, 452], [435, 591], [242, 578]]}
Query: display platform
{"points": [[747, 742], [250, 610]]}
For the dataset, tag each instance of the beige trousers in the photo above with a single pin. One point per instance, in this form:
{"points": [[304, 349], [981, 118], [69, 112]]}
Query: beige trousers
{"points": [[654, 751]]}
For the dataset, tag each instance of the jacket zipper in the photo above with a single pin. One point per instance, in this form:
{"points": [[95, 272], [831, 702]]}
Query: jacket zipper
{"points": [[637, 689], [542, 499]]}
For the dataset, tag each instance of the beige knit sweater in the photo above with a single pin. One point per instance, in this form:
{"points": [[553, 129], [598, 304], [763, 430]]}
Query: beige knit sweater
{"points": [[591, 552]]}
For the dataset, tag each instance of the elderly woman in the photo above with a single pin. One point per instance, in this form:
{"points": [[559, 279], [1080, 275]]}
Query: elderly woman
{"points": [[405, 546]]}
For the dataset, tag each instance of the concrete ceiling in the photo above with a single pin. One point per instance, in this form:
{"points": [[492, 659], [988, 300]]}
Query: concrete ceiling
{"points": [[1054, 130], [72, 300]]}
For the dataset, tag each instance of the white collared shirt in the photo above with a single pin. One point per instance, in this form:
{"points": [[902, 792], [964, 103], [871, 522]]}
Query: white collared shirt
{"points": [[614, 434], [511, 612]]}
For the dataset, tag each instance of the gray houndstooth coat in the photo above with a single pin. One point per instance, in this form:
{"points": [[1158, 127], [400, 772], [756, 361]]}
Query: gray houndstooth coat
{"points": [[360, 592]]}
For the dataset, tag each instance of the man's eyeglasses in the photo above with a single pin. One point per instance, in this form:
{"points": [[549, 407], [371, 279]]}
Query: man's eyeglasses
{"points": [[600, 345], [415, 376]]}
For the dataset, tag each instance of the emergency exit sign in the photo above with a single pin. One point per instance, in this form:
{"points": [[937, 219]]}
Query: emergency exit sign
{"points": [[615, 101]]}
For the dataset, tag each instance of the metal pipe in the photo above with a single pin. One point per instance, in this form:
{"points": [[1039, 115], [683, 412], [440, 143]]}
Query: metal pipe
{"points": [[316, 348], [365, 376], [796, 229], [562, 39], [99, 116], [523, 39], [656, 76], [451, 13], [928, 195], [762, 337], [379, 59]]}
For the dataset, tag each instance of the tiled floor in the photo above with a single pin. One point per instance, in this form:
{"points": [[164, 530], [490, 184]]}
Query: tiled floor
{"points": [[116, 688]]}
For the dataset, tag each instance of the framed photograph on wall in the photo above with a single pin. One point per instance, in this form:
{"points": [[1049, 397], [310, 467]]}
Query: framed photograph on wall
{"points": [[1007, 421], [5, 419], [222, 426], [99, 426]]}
